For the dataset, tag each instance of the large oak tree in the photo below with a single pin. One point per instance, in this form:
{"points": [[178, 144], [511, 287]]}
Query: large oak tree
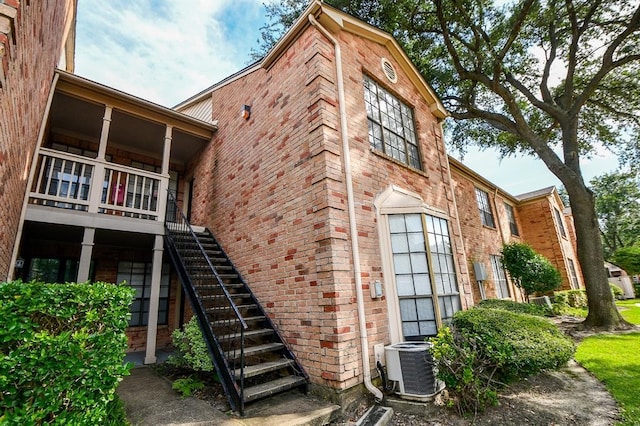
{"points": [[557, 79]]}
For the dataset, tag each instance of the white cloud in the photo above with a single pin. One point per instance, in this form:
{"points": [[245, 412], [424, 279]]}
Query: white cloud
{"points": [[165, 51]]}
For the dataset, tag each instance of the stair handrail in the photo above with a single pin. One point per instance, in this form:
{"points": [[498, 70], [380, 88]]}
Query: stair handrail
{"points": [[174, 203], [237, 401], [298, 370]]}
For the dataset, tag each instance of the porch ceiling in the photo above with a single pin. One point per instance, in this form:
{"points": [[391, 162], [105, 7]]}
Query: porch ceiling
{"points": [[39, 231], [137, 126]]}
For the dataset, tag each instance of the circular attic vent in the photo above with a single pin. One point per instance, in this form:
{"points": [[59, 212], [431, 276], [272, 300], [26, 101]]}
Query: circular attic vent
{"points": [[389, 70]]}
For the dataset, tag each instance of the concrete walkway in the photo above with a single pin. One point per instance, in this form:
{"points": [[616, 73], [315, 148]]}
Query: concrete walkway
{"points": [[149, 400]]}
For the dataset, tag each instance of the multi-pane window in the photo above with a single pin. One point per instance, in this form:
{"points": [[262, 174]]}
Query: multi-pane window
{"points": [[391, 125], [573, 275], [499, 278], [511, 217], [563, 232], [138, 276], [486, 214], [55, 270], [424, 273]]}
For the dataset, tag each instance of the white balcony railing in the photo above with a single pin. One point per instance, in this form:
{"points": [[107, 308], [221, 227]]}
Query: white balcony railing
{"points": [[75, 182]]}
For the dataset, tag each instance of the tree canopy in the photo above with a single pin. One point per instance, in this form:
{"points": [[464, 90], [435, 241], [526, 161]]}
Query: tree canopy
{"points": [[628, 258], [554, 79], [618, 208]]}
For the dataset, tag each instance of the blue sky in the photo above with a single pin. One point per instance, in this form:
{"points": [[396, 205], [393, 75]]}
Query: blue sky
{"points": [[166, 51]]}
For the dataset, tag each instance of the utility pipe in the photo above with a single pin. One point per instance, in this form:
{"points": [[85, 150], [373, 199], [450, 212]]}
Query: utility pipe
{"points": [[352, 212]]}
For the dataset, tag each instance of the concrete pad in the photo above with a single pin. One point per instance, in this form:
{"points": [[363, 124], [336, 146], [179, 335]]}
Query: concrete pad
{"points": [[289, 409], [149, 400]]}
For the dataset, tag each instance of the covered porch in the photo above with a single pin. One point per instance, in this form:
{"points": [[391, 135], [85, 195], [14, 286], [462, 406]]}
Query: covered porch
{"points": [[96, 199]]}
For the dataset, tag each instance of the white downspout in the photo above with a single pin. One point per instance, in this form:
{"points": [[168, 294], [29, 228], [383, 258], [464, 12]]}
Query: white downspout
{"points": [[353, 230]]}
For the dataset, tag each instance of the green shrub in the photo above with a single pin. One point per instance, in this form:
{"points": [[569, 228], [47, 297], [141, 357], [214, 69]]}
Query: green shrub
{"points": [[62, 349], [116, 414], [530, 270], [617, 292], [192, 348], [187, 385], [487, 348], [571, 298], [510, 305]]}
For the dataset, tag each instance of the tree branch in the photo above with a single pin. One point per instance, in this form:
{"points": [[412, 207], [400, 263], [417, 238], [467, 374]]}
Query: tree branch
{"points": [[608, 64]]}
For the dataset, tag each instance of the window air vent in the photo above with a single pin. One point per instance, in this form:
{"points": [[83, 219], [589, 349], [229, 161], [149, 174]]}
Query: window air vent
{"points": [[389, 70]]}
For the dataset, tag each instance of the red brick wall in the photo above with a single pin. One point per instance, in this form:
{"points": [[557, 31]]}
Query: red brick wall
{"points": [[482, 241], [30, 55], [273, 192], [541, 232]]}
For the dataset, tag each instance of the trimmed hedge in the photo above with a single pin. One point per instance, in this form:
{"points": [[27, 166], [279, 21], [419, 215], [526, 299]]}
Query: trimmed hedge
{"points": [[563, 300], [510, 305], [521, 345], [486, 349], [61, 351]]}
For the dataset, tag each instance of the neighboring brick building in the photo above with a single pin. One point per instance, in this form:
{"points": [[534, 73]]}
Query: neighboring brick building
{"points": [[548, 228], [490, 217], [34, 39], [322, 172]]}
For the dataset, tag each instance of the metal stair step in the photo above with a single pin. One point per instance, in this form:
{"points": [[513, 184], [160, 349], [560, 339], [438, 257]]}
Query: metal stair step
{"points": [[215, 309], [246, 319], [216, 286], [252, 333], [259, 349], [265, 367], [222, 296], [270, 388]]}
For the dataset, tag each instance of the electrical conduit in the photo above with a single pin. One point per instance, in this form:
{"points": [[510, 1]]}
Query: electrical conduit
{"points": [[352, 212]]}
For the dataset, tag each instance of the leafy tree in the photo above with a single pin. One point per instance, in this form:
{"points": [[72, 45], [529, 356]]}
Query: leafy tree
{"points": [[628, 258], [530, 271], [530, 77], [618, 208]]}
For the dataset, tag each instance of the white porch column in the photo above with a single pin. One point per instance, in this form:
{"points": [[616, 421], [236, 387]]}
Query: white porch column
{"points": [[85, 255], [98, 170], [154, 301], [164, 181]]}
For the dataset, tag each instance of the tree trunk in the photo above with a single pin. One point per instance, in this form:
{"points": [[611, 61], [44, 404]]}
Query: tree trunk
{"points": [[603, 312]]}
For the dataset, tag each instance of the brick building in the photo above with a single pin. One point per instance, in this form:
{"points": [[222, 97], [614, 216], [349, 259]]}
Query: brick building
{"points": [[548, 228], [490, 217], [34, 39], [338, 222]]}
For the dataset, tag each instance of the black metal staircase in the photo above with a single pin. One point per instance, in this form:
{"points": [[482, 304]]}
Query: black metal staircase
{"points": [[249, 354]]}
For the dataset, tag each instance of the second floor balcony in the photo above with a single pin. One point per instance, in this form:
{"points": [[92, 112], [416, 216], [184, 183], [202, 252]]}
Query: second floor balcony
{"points": [[79, 183], [104, 156]]}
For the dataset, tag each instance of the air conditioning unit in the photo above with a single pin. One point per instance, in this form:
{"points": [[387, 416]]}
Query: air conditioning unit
{"points": [[410, 365]]}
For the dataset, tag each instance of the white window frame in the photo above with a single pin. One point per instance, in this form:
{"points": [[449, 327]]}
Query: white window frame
{"points": [[499, 277], [395, 200], [484, 208], [397, 137]]}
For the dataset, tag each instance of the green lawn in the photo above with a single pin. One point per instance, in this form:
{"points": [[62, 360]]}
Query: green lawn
{"points": [[615, 361], [630, 310]]}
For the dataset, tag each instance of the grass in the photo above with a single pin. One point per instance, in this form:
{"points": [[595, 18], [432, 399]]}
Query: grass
{"points": [[615, 360], [631, 310]]}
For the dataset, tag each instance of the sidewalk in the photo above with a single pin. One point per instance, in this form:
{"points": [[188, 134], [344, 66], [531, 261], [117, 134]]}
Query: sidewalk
{"points": [[149, 400]]}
